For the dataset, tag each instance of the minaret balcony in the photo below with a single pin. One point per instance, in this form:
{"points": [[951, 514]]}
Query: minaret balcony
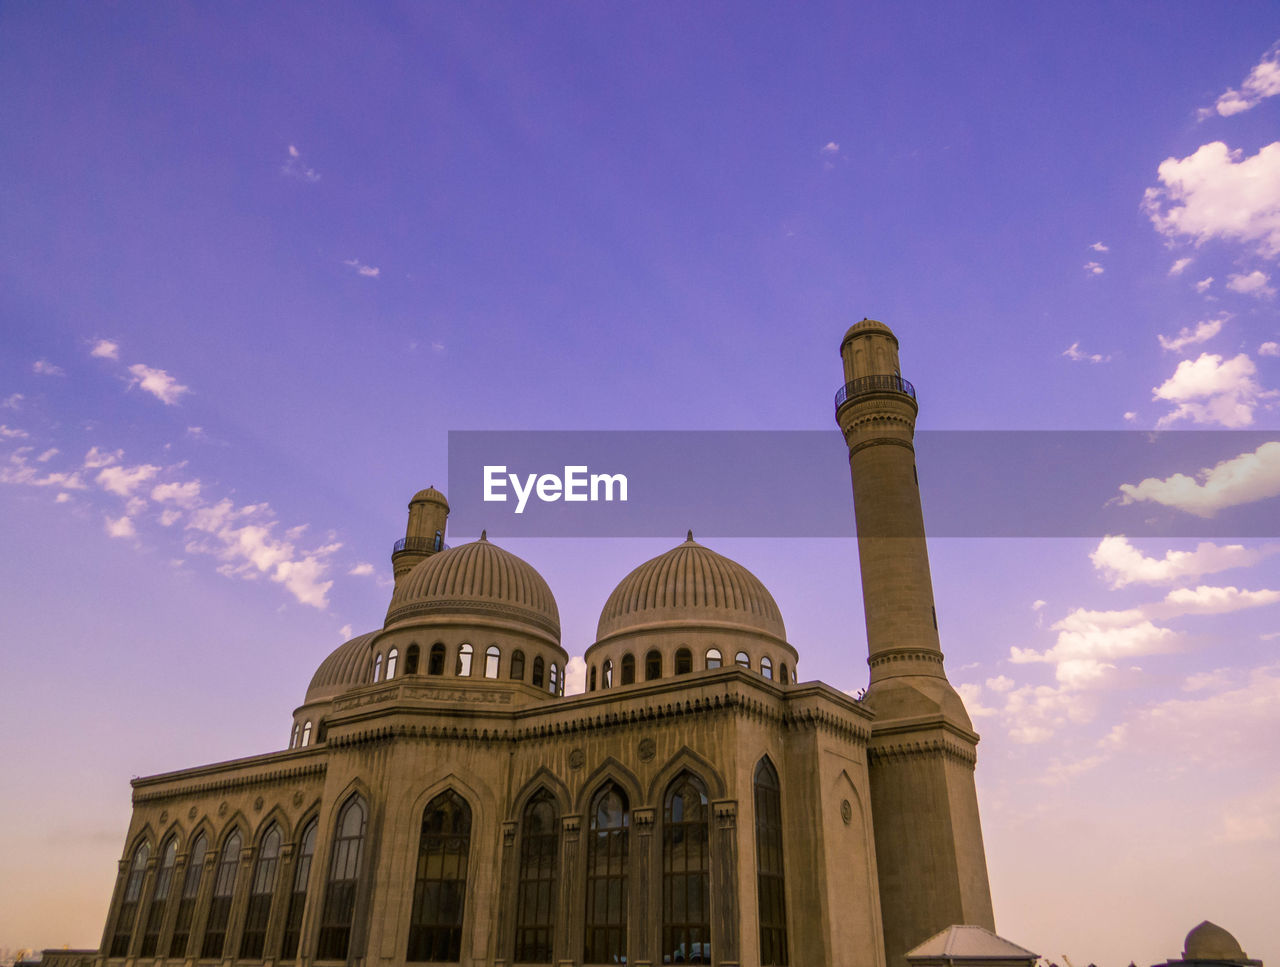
{"points": [[868, 385], [418, 545]]}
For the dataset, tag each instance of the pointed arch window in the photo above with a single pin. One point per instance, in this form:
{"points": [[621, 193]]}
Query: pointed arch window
{"points": [[435, 660], [129, 901], [742, 659], [377, 668], [187, 902], [593, 679], [159, 898], [339, 907], [492, 658], [535, 898], [686, 873], [606, 675], [539, 672], [261, 890], [306, 734], [393, 656], [411, 658], [628, 669], [770, 892], [517, 665], [652, 665], [784, 675], [554, 679], [607, 868], [766, 668], [293, 739], [224, 888], [714, 658], [684, 661], [463, 667], [298, 896], [440, 889]]}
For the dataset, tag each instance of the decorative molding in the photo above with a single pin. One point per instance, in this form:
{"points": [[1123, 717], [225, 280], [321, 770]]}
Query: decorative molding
{"points": [[881, 441], [470, 606], [227, 784], [890, 752], [726, 813], [915, 654], [642, 819]]}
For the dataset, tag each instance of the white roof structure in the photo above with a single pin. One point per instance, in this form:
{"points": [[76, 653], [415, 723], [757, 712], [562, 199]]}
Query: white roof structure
{"points": [[969, 945]]}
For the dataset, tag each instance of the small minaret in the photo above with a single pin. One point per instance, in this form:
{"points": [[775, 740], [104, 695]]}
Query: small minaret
{"points": [[929, 854], [424, 535]]}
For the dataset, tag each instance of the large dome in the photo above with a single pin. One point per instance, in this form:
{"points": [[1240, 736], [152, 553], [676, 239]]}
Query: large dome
{"points": [[1208, 941], [691, 584], [346, 666], [479, 579]]}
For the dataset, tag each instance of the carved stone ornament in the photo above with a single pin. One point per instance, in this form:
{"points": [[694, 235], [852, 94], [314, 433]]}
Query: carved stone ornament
{"points": [[191, 813], [577, 759], [164, 816], [297, 798], [257, 805], [846, 812], [647, 749], [222, 808]]}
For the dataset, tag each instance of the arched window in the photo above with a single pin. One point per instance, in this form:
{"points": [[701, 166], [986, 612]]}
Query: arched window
{"points": [[535, 897], [224, 888], [684, 661], [392, 657], [766, 668], [770, 894], [607, 846], [463, 668], [411, 659], [606, 674], [159, 898], [593, 679], [652, 665], [435, 659], [261, 889], [517, 665], [554, 680], [686, 873], [784, 676], [187, 902], [298, 895], [377, 668], [438, 543], [129, 901], [293, 739], [539, 672], [628, 668], [714, 658], [440, 888], [743, 659], [339, 906], [491, 658], [306, 734]]}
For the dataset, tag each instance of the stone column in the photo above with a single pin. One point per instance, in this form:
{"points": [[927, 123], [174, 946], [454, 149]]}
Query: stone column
{"points": [[641, 926], [279, 903], [725, 919], [569, 923], [508, 887]]}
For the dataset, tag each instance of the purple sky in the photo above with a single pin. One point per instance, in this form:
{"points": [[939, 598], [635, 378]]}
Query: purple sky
{"points": [[257, 261]]}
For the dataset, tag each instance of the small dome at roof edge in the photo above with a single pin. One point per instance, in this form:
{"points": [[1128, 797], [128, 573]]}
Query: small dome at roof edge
{"points": [[344, 668], [1208, 941]]}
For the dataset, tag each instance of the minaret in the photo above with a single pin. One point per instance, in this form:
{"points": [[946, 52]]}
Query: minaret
{"points": [[424, 535], [932, 868]]}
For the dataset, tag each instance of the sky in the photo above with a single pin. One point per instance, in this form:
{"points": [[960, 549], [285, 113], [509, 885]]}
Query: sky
{"points": [[256, 261]]}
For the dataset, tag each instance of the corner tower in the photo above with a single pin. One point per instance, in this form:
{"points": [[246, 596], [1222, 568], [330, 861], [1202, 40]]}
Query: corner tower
{"points": [[929, 853], [424, 534]]}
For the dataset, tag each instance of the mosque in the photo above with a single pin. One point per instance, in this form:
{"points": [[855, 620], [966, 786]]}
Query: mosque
{"points": [[442, 801]]}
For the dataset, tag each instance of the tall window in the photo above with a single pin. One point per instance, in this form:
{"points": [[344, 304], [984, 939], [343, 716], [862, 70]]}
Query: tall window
{"points": [[129, 902], [539, 672], [224, 888], [435, 661], [261, 889], [606, 674], [766, 668], [159, 898], [491, 658], [293, 739], [554, 681], [535, 901], [440, 890], [607, 866], [306, 734], [517, 665], [714, 658], [686, 873], [377, 668], [652, 665], [298, 896], [628, 668], [770, 894], [187, 902], [411, 657], [392, 657], [463, 668], [339, 905], [593, 679], [784, 676], [684, 661], [439, 541]]}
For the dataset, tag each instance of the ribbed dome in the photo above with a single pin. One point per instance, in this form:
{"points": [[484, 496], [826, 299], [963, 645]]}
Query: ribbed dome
{"points": [[476, 579], [1209, 941], [345, 667], [430, 495], [691, 583], [863, 326]]}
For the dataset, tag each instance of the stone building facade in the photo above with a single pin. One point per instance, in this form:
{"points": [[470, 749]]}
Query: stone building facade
{"points": [[442, 801]]}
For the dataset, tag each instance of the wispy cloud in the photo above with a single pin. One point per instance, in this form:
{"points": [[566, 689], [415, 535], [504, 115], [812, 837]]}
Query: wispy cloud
{"points": [[105, 349], [1245, 479], [1189, 336], [42, 367], [1212, 390], [1254, 284], [1093, 268], [158, 383], [18, 470], [294, 167], [362, 569], [1100, 247], [120, 526], [1179, 265], [125, 481], [1203, 285], [1269, 349], [1122, 564], [368, 271], [12, 432], [1262, 82], [1077, 355]]}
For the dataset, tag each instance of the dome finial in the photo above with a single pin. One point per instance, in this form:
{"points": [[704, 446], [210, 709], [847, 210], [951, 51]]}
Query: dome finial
{"points": [[689, 538], [484, 535]]}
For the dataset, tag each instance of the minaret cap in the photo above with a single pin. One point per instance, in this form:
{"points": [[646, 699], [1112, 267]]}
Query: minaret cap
{"points": [[430, 496], [867, 325]]}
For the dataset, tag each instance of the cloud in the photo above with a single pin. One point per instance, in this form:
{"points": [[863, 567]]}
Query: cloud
{"points": [[1210, 600], [1215, 194], [13, 401], [101, 458], [831, 148], [1245, 479], [48, 455], [575, 676], [1262, 82], [1219, 726], [186, 494], [1130, 415], [1269, 349], [1203, 332], [1000, 683], [1123, 564], [1093, 268], [295, 168], [1075, 354], [1099, 247], [346, 632], [158, 383], [12, 433], [1209, 390], [42, 367], [120, 527], [1179, 265], [362, 569], [105, 349], [368, 271], [1255, 284], [1038, 603], [1216, 679], [1203, 285], [971, 695], [123, 481], [18, 471]]}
